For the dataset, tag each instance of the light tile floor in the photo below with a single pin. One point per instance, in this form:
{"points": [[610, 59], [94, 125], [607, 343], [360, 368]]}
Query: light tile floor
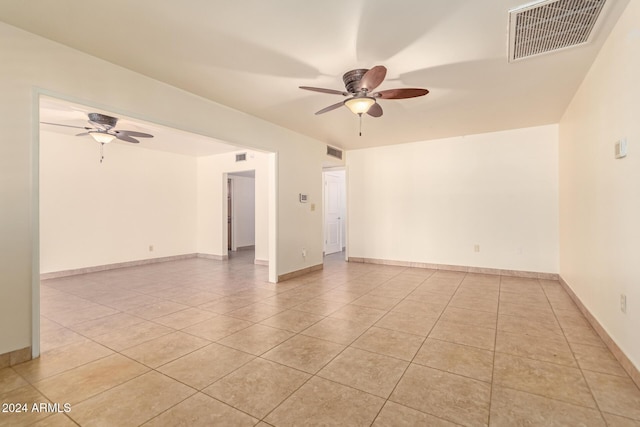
{"points": [[201, 342]]}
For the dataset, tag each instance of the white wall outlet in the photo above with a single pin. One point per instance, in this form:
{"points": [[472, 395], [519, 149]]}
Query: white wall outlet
{"points": [[150, 248], [304, 253], [476, 248], [623, 303]]}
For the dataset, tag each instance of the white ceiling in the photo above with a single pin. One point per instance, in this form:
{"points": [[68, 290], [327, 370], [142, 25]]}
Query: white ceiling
{"points": [[253, 54]]}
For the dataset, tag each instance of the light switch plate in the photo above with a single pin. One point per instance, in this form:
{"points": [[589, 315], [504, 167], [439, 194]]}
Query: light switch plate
{"points": [[621, 148]]}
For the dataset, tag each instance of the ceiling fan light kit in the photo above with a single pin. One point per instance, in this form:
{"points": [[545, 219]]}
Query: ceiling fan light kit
{"points": [[359, 105], [360, 85], [101, 137]]}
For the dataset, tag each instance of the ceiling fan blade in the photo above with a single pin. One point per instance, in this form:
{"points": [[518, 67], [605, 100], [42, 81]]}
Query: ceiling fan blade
{"points": [[375, 110], [401, 93], [127, 138], [330, 107], [133, 133], [323, 90], [83, 134], [373, 78], [68, 126]]}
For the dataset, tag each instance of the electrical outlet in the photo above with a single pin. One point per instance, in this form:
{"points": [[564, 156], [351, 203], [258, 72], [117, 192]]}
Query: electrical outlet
{"points": [[476, 248], [623, 303], [304, 253], [150, 248]]}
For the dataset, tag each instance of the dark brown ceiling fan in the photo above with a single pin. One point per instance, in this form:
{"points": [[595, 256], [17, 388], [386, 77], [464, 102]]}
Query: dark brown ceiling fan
{"points": [[360, 85], [102, 129]]}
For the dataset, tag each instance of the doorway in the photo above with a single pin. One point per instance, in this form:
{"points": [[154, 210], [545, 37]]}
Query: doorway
{"points": [[334, 197], [241, 211]]}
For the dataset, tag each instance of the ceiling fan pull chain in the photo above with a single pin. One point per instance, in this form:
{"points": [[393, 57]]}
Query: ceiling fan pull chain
{"points": [[360, 133], [101, 152]]}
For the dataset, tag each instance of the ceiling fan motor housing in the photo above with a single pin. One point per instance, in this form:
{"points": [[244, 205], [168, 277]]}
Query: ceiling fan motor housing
{"points": [[352, 78], [102, 119]]}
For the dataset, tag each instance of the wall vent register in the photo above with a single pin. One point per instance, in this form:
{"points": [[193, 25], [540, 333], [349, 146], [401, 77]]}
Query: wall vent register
{"points": [[551, 25], [334, 152], [241, 157]]}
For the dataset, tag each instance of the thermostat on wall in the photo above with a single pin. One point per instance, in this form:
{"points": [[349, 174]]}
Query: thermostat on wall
{"points": [[303, 198]]}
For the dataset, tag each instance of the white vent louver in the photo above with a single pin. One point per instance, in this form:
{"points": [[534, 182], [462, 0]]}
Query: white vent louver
{"points": [[551, 25], [241, 157]]}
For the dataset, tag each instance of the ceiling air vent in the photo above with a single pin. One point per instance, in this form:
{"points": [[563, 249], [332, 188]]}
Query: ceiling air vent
{"points": [[551, 25], [334, 152], [241, 157]]}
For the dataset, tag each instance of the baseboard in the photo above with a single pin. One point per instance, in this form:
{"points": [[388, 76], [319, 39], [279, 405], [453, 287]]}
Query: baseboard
{"points": [[246, 248], [261, 262], [212, 256], [297, 273], [15, 357], [94, 269], [461, 268], [626, 363]]}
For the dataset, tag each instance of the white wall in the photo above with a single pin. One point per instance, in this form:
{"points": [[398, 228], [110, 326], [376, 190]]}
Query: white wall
{"points": [[432, 201], [599, 196], [31, 64], [243, 198], [212, 201], [94, 213]]}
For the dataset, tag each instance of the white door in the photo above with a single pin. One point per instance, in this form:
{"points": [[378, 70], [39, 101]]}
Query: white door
{"points": [[332, 210]]}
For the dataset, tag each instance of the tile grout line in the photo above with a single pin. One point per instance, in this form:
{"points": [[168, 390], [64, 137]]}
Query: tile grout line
{"points": [[551, 363], [574, 357], [343, 286], [416, 353], [169, 361], [331, 360], [152, 369], [495, 351]]}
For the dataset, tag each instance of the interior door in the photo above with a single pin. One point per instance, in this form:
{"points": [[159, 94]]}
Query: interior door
{"points": [[332, 218]]}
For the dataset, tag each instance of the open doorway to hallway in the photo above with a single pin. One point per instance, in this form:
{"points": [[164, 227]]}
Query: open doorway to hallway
{"points": [[241, 211]]}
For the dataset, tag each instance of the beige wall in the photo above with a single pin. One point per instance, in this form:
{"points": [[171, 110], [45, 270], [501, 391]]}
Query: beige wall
{"points": [[94, 213], [599, 195], [31, 64], [431, 202]]}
